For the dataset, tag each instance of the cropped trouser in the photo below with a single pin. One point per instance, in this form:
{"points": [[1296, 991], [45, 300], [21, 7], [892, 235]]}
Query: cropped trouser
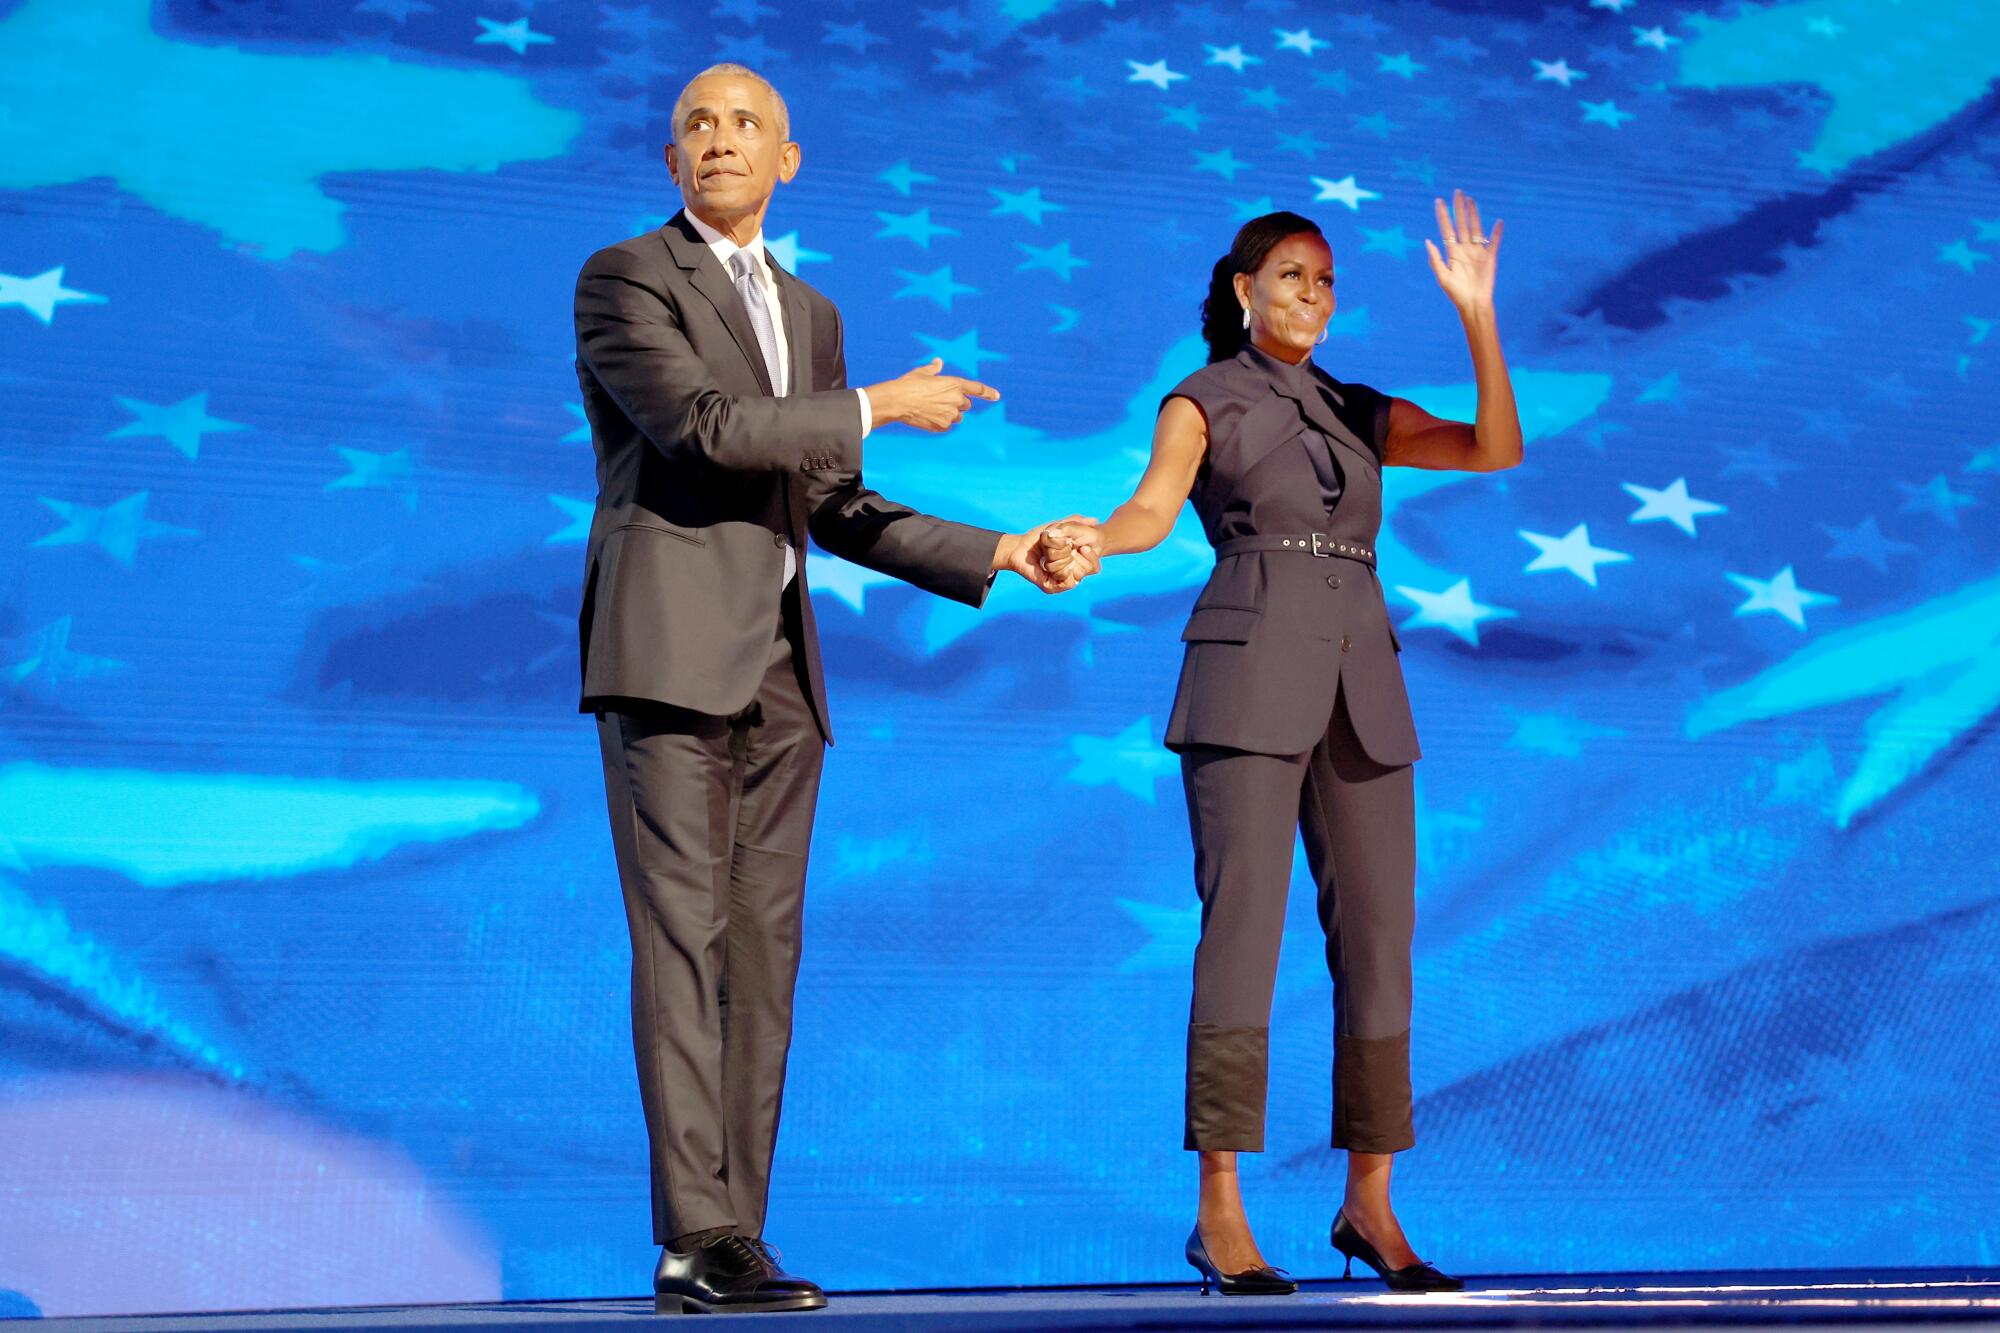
{"points": [[1359, 824]]}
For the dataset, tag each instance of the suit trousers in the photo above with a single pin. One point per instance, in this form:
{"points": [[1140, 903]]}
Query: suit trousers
{"points": [[711, 818], [1358, 821]]}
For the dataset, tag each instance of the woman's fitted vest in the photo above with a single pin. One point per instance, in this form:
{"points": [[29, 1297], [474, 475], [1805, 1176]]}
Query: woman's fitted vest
{"points": [[1275, 634]]}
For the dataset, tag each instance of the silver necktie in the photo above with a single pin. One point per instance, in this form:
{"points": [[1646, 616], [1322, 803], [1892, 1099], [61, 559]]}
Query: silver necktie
{"points": [[752, 293]]}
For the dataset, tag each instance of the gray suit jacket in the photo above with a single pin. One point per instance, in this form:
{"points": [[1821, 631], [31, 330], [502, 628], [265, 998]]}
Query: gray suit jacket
{"points": [[1274, 635], [703, 476]]}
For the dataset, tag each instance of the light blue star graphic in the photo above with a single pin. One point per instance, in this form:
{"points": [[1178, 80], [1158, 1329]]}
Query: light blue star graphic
{"points": [[1781, 595], [394, 472], [935, 286], [1132, 761], [1864, 541], [43, 660], [962, 63], [1938, 661], [1242, 210], [1557, 734], [1055, 259], [181, 424], [1232, 56], [1343, 191], [1961, 255], [516, 36], [85, 102], [1986, 460], [1656, 37], [1300, 40], [1557, 71], [1171, 934], [1615, 6], [1571, 551], [41, 294], [1604, 113], [1402, 66], [1936, 498], [1066, 318], [1156, 74], [117, 529], [399, 10], [790, 254], [916, 227], [856, 37], [1673, 504], [1453, 609], [1027, 204], [1264, 99], [962, 353], [1389, 241], [581, 433], [1224, 164], [373, 577], [1757, 460], [1378, 125], [579, 513], [902, 177], [848, 582], [1188, 117], [1304, 144], [1330, 81]]}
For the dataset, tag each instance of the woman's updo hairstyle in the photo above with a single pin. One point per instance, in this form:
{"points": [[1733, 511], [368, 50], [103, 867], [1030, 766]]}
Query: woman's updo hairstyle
{"points": [[1221, 313]]}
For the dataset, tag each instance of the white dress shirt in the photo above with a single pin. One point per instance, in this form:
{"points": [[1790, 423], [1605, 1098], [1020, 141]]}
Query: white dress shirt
{"points": [[724, 250]]}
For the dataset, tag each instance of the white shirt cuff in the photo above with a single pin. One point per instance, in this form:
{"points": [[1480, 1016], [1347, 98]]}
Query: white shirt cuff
{"points": [[867, 413]]}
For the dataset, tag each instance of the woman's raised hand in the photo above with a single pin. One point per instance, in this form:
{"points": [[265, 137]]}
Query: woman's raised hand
{"points": [[1465, 266]]}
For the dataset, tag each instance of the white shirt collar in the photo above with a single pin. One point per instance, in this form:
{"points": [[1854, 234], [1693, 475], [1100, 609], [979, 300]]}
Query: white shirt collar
{"points": [[724, 248]]}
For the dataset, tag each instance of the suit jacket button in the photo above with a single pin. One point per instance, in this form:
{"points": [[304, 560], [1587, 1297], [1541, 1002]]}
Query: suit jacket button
{"points": [[1333, 580], [777, 539], [1345, 643]]}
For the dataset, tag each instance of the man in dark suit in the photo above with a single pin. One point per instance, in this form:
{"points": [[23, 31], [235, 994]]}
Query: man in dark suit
{"points": [[725, 432]]}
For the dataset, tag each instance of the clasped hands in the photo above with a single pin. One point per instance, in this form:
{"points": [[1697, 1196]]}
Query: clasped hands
{"points": [[1055, 557]]}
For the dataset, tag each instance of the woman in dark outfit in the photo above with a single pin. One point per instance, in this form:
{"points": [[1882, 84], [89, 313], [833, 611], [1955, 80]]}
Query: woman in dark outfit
{"points": [[1291, 717]]}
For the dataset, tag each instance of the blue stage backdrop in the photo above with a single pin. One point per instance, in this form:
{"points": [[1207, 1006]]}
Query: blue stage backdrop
{"points": [[312, 963]]}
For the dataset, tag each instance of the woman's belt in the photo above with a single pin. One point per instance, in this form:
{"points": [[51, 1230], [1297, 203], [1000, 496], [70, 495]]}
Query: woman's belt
{"points": [[1312, 543]]}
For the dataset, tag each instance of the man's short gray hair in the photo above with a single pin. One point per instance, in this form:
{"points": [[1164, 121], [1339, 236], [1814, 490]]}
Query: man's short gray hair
{"points": [[742, 72]]}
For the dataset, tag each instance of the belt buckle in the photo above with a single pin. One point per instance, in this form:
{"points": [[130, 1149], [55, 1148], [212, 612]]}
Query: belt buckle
{"points": [[1317, 541]]}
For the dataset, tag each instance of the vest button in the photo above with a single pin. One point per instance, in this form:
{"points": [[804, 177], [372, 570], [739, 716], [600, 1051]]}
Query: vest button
{"points": [[1345, 643], [1333, 580]]}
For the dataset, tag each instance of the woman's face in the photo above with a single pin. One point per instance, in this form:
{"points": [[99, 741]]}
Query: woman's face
{"points": [[1290, 296]]}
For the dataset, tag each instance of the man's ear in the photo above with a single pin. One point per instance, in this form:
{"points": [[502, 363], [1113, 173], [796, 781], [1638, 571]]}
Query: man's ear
{"points": [[673, 163], [788, 162]]}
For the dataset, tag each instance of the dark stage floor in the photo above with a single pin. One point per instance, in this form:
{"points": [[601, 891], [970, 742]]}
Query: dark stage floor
{"points": [[1605, 1301]]}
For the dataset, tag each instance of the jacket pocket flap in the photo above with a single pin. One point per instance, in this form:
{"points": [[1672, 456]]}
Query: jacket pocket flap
{"points": [[1220, 624]]}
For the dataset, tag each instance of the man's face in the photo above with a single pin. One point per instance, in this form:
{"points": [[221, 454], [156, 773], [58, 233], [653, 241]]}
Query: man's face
{"points": [[728, 155]]}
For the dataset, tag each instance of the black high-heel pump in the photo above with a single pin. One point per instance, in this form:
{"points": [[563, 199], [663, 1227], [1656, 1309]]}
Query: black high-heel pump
{"points": [[1249, 1282], [1418, 1276]]}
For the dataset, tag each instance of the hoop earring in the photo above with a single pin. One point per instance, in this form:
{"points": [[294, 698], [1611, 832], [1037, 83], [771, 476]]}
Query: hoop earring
{"points": [[1246, 316], [1322, 338]]}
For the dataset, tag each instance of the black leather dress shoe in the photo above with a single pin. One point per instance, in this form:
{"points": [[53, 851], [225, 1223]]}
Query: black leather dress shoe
{"points": [[1249, 1282], [1418, 1276], [729, 1275]]}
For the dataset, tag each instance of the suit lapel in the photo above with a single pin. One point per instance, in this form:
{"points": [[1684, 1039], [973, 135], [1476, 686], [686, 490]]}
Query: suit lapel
{"points": [[707, 277], [798, 325]]}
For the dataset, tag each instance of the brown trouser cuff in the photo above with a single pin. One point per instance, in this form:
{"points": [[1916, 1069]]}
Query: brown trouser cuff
{"points": [[1371, 1094], [1226, 1073]]}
